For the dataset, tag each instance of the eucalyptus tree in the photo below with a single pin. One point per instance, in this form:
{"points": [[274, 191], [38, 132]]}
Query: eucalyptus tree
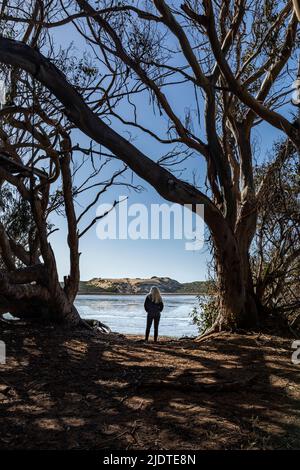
{"points": [[239, 59], [43, 173]]}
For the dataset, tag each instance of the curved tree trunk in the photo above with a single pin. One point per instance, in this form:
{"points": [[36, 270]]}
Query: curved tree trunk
{"points": [[31, 302], [39, 310], [238, 307], [237, 301]]}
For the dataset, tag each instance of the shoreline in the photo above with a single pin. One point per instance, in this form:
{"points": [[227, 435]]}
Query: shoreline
{"points": [[136, 293]]}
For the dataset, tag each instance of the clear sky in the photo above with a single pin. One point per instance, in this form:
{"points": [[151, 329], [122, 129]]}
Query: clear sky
{"points": [[130, 258], [142, 258]]}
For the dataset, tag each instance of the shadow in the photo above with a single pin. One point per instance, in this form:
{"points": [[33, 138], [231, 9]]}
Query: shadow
{"points": [[63, 389]]}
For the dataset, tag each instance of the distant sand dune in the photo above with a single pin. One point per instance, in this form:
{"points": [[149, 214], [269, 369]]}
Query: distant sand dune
{"points": [[140, 286]]}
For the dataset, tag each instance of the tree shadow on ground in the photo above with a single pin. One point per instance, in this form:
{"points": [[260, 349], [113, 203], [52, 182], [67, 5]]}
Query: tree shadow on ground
{"points": [[65, 389]]}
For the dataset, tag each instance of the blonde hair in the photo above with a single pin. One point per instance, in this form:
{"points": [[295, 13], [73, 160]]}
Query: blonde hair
{"points": [[155, 295]]}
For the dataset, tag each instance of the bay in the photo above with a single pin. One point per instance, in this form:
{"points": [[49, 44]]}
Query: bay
{"points": [[125, 313]]}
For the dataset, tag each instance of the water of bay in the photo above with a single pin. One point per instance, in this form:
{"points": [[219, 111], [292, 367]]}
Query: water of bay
{"points": [[126, 314]]}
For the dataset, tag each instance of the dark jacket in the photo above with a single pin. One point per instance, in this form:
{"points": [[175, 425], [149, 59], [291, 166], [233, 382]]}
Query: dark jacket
{"points": [[152, 307]]}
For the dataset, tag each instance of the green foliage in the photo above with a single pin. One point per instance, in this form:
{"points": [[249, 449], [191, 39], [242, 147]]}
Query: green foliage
{"points": [[196, 287], [205, 314], [15, 214], [275, 251], [88, 70]]}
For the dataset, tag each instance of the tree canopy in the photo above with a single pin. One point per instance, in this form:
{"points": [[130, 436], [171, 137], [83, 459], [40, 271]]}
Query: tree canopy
{"points": [[239, 57]]}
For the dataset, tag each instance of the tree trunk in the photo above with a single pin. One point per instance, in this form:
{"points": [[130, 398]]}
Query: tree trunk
{"points": [[237, 304], [47, 302], [62, 309], [59, 311]]}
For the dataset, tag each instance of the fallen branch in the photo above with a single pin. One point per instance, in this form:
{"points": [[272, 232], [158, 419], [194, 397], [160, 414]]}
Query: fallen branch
{"points": [[97, 325]]}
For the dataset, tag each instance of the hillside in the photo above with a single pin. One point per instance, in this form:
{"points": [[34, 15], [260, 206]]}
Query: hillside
{"points": [[140, 286]]}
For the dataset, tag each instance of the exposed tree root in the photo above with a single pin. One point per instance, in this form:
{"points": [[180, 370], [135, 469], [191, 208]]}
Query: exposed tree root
{"points": [[96, 325], [220, 327], [214, 329]]}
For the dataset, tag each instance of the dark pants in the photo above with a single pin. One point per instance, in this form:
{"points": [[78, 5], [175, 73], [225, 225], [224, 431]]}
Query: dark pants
{"points": [[150, 318]]}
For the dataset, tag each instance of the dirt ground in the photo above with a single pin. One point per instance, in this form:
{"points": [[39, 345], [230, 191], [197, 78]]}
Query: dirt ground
{"points": [[77, 390]]}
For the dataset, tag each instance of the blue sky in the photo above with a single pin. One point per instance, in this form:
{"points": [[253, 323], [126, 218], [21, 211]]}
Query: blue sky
{"points": [[130, 258], [142, 258]]}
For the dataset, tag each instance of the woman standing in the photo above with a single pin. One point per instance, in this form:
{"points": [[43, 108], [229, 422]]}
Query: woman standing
{"points": [[153, 306]]}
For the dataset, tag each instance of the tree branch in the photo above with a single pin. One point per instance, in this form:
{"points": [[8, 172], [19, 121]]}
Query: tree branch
{"points": [[17, 54], [273, 118]]}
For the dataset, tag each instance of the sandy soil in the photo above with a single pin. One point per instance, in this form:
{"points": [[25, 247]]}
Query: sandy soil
{"points": [[76, 390]]}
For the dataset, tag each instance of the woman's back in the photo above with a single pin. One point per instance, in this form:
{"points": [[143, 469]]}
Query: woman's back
{"points": [[153, 306]]}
